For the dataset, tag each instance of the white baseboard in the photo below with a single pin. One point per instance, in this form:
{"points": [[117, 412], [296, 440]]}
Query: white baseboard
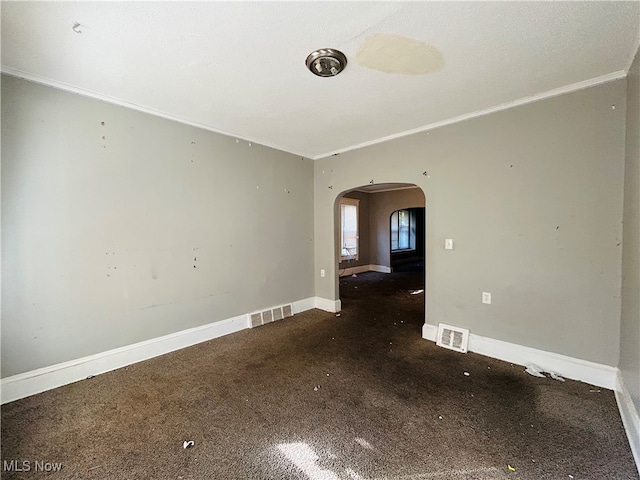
{"points": [[325, 304], [574, 368], [430, 332], [328, 305], [630, 418], [364, 268], [42, 379], [351, 270], [303, 305], [380, 268]]}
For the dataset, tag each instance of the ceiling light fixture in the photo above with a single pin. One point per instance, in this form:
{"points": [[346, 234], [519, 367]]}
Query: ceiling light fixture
{"points": [[326, 62]]}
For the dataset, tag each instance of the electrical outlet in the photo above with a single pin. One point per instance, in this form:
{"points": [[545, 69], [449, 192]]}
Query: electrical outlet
{"points": [[322, 272], [486, 297], [448, 243]]}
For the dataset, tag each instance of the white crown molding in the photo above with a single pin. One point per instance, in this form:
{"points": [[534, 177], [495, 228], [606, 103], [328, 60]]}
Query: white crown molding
{"points": [[610, 77], [636, 47], [134, 106], [505, 106], [574, 368]]}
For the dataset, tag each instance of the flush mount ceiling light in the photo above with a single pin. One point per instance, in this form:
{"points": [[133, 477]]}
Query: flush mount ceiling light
{"points": [[326, 62]]}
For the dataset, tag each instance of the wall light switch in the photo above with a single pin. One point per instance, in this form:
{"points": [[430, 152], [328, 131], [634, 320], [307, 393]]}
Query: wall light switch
{"points": [[322, 272], [486, 297], [448, 243]]}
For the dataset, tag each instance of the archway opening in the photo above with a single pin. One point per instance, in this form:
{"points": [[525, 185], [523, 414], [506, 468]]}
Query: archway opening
{"points": [[381, 270]]}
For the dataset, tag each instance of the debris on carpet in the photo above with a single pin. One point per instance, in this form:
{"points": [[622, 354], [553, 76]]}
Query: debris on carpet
{"points": [[535, 371], [555, 376]]}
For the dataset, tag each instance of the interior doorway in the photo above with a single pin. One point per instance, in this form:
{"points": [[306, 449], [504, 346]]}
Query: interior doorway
{"points": [[377, 260]]}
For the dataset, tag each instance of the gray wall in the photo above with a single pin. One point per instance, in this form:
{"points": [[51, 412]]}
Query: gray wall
{"points": [[630, 317], [100, 234], [363, 231], [532, 197], [104, 224], [383, 204]]}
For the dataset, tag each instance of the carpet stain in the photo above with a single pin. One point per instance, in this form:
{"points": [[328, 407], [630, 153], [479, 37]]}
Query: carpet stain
{"points": [[392, 406]]}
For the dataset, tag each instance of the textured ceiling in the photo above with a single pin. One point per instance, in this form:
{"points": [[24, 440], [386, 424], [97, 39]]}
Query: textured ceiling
{"points": [[238, 68]]}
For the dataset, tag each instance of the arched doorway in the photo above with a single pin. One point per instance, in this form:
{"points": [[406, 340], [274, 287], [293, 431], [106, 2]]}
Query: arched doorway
{"points": [[363, 242]]}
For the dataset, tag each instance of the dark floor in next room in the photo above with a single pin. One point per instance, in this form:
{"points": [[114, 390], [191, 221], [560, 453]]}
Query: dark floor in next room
{"points": [[320, 396]]}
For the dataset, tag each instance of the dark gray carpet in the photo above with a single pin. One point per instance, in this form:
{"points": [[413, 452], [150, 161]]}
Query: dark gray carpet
{"points": [[360, 396]]}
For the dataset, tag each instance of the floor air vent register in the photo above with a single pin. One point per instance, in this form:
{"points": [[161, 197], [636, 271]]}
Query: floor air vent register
{"points": [[270, 315], [453, 338]]}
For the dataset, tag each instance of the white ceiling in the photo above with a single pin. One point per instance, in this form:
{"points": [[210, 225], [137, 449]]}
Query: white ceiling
{"points": [[238, 68]]}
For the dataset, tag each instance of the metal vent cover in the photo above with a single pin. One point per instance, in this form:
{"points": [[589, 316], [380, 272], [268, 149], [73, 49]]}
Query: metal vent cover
{"points": [[271, 315], [267, 317], [256, 319], [453, 338]]}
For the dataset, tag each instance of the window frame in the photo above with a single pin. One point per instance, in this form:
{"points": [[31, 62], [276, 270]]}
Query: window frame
{"points": [[354, 202], [411, 227]]}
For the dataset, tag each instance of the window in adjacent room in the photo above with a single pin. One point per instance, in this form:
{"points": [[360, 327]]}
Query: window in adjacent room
{"points": [[349, 228], [403, 230]]}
